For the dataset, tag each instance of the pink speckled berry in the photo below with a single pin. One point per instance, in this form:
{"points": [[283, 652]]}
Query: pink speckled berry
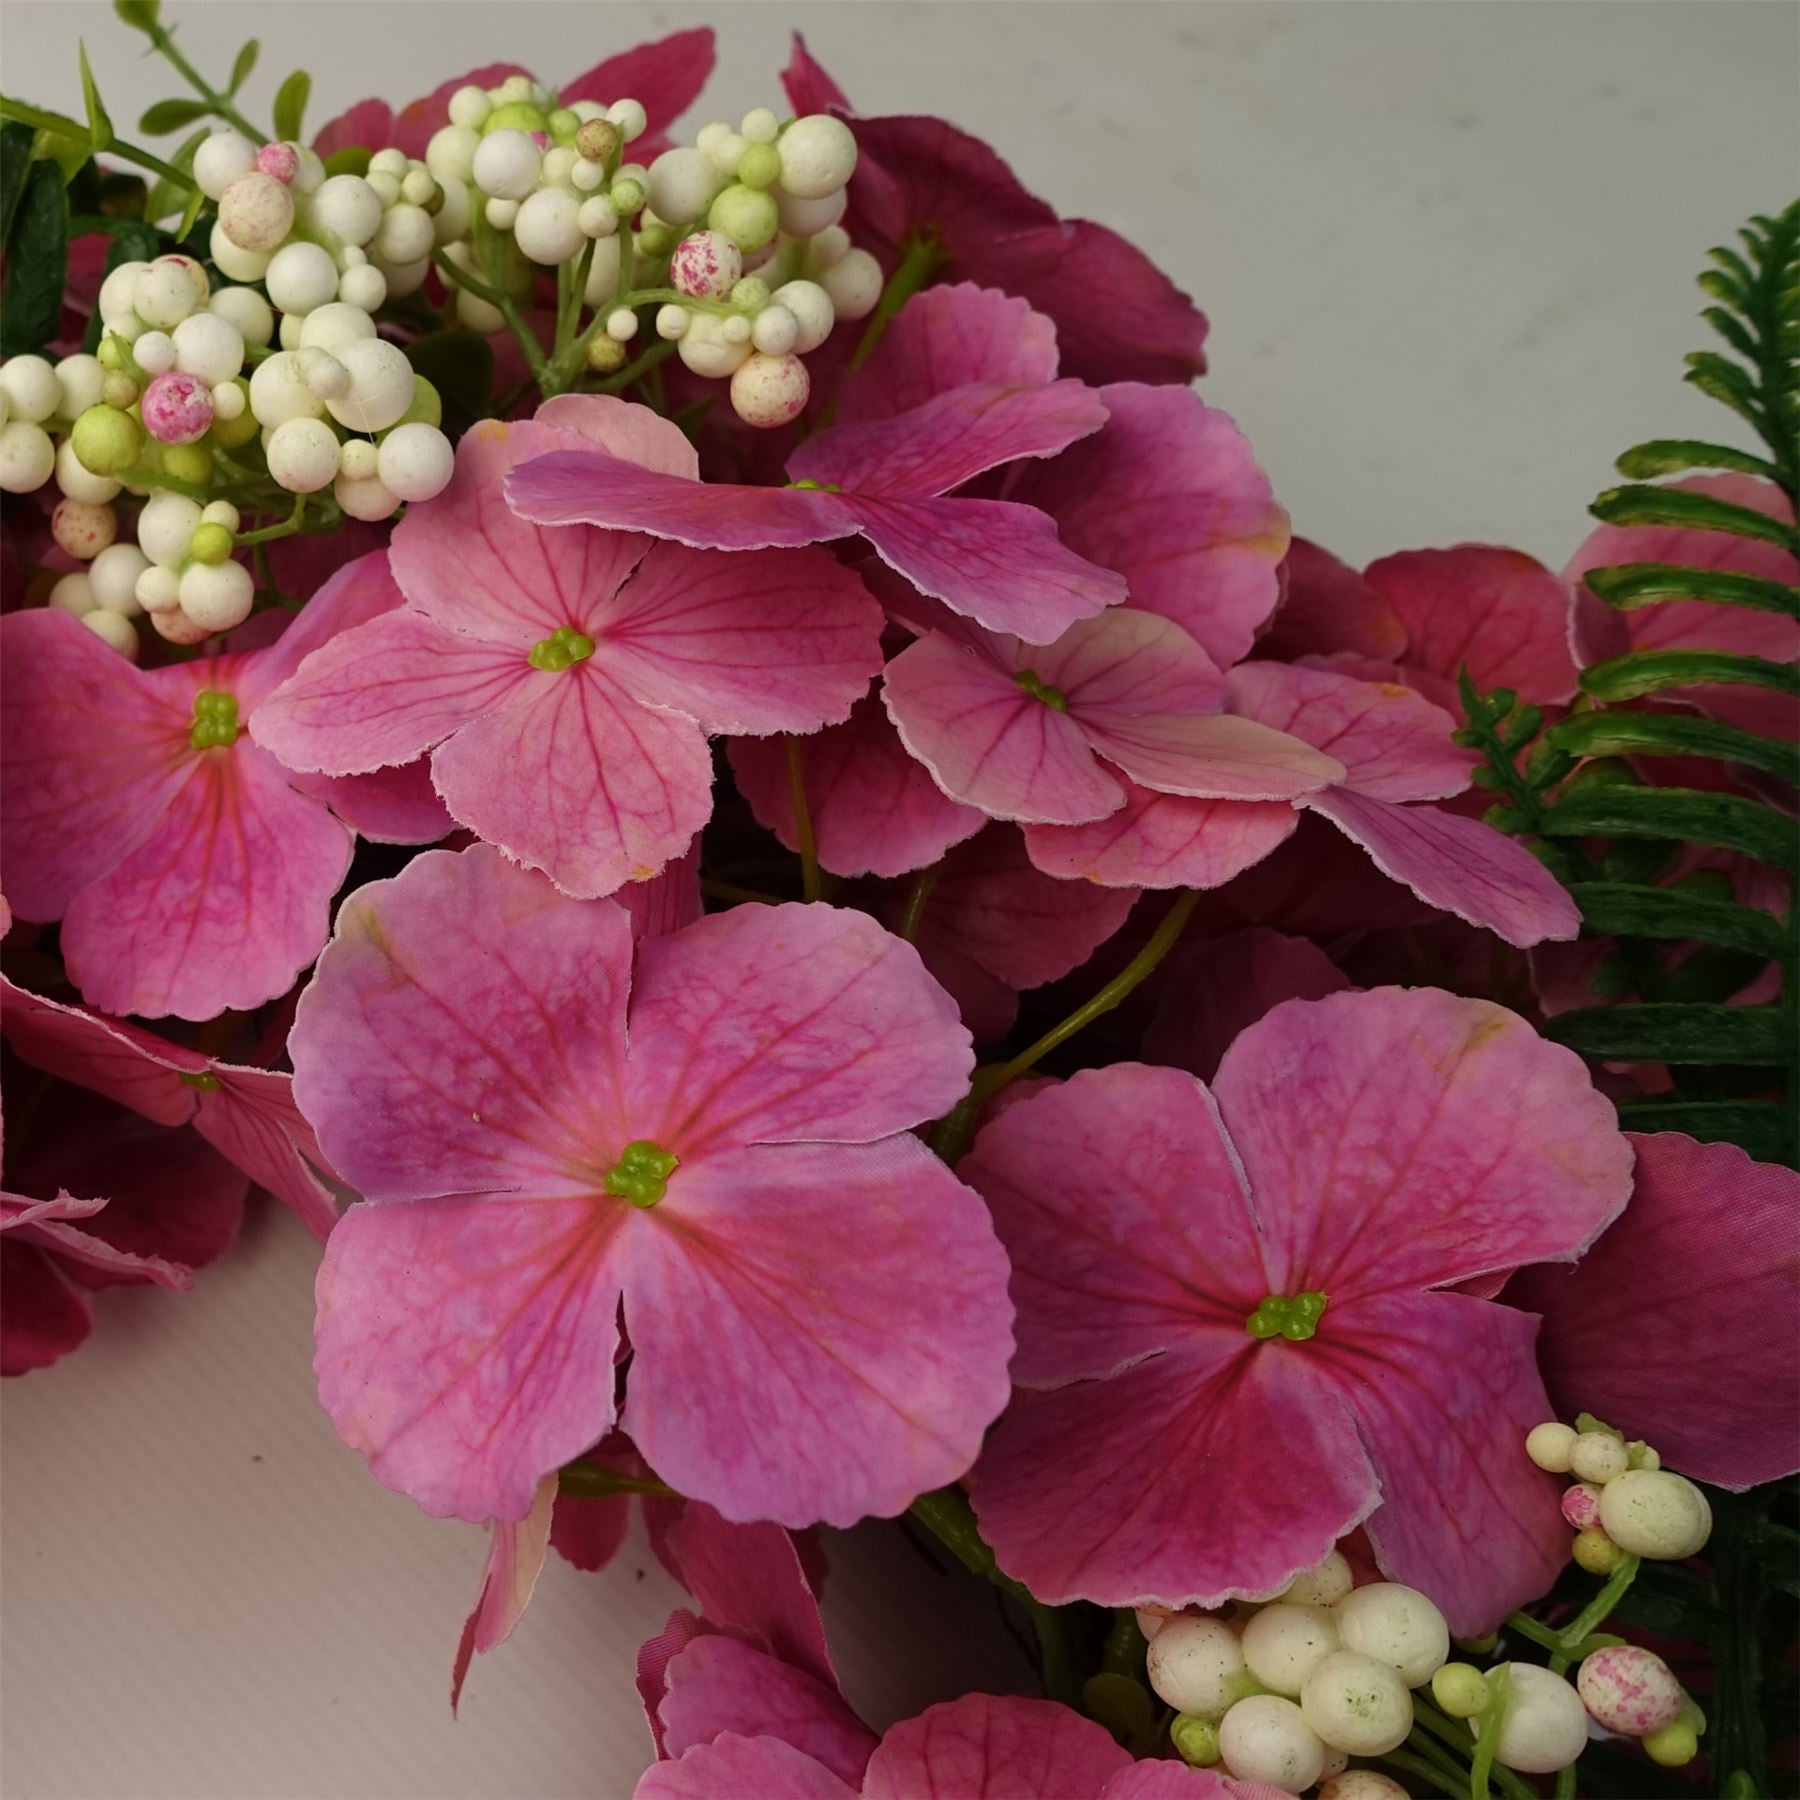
{"points": [[256, 212], [1581, 1505], [177, 408], [1629, 1689], [706, 264], [282, 161], [768, 391], [83, 528]]}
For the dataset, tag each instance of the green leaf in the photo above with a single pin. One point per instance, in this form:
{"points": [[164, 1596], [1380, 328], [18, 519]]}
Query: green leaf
{"points": [[1686, 510], [170, 115], [37, 263], [1623, 909], [15, 165], [189, 214], [140, 15], [1675, 1031], [1712, 973], [1680, 815], [1759, 1126], [1732, 330], [1631, 585], [1650, 671], [1727, 383], [1735, 268], [353, 159], [240, 70], [100, 131], [1657, 734], [290, 104], [460, 365], [1672, 456], [166, 197]]}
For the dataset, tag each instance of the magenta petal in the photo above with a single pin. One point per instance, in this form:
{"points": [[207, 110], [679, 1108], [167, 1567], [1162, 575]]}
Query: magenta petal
{"points": [[1128, 664], [569, 488], [93, 755], [948, 337], [862, 1284], [990, 744], [1165, 1779], [625, 430], [612, 790], [1465, 1515], [386, 806], [1215, 756], [1459, 864], [252, 1121], [1169, 496], [1707, 1249], [465, 1347], [741, 1768], [42, 1317], [515, 1560], [1394, 744], [436, 1054], [874, 808], [50, 1226], [356, 594], [1439, 1138], [111, 1056], [775, 640], [983, 1747], [1164, 840], [380, 695], [1326, 607], [665, 77], [221, 907], [368, 123]]}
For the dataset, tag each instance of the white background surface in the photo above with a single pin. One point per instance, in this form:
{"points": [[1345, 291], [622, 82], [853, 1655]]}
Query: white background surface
{"points": [[1447, 250]]}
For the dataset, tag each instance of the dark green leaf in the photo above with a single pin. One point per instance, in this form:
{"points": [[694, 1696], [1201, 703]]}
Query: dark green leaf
{"points": [[1655, 734], [1759, 1126], [1623, 909], [166, 197], [1644, 861], [353, 159], [1671, 456], [246, 61], [1631, 585], [460, 365], [1734, 266], [1727, 383], [290, 104], [1650, 671], [15, 165], [1714, 973], [141, 14], [1671, 1599], [1732, 330], [170, 115], [1686, 510], [133, 241], [100, 131], [37, 263], [1678, 1032]]}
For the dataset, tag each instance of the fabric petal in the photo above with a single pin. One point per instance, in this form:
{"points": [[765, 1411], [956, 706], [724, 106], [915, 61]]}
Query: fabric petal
{"points": [[221, 907], [771, 1024], [465, 1347], [1708, 1250], [1164, 840], [1459, 864], [1326, 607], [741, 1768], [1162, 1778], [983, 1747], [665, 77], [1406, 1138], [625, 430], [1213, 756], [465, 1033], [859, 1286], [386, 806], [42, 1317], [515, 1560], [111, 1056], [367, 123], [250, 1118]]}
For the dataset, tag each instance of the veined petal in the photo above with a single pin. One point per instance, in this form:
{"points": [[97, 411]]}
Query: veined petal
{"points": [[985, 1747], [1164, 840]]}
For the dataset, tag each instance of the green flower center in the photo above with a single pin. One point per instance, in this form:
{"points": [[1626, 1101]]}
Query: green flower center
{"points": [[641, 1175], [215, 720], [815, 487], [562, 649], [1292, 1316], [203, 1079], [1052, 697]]}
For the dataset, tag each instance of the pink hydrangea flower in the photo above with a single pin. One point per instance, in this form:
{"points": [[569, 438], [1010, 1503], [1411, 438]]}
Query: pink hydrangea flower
{"points": [[887, 480], [1601, 632], [922, 182], [1232, 1347], [1666, 1327], [150, 1206], [463, 1048], [565, 681], [664, 77], [247, 1114], [1395, 752], [191, 870]]}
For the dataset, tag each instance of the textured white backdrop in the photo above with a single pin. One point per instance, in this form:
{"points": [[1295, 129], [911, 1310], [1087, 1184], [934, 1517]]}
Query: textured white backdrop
{"points": [[1447, 250]]}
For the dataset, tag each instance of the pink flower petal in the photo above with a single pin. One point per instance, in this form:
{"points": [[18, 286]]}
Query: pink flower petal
{"points": [[93, 753], [465, 1347], [899, 1335], [252, 1121], [1465, 1515], [42, 1317], [368, 123], [874, 809], [515, 1560], [1165, 1779], [357, 593], [1393, 744], [986, 1748], [741, 1768], [435, 1056], [1163, 840], [1326, 607], [386, 806], [1459, 864], [1707, 1249], [1128, 664], [223, 905], [111, 1056], [783, 640], [948, 337], [1167, 494], [618, 790], [771, 1024], [665, 77], [1449, 1138], [622, 429], [1498, 612], [1214, 756], [990, 744]]}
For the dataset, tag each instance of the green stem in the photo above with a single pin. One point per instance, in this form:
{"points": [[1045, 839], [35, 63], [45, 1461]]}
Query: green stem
{"points": [[1458, 1736], [920, 892], [637, 368], [1528, 1627], [502, 303], [584, 1480], [267, 534], [1424, 1771], [920, 261], [1428, 1750], [1595, 1614], [812, 886], [1493, 1722], [165, 45], [63, 126], [154, 478]]}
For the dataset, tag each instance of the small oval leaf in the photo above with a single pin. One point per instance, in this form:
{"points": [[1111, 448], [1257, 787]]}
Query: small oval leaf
{"points": [[290, 104], [170, 115]]}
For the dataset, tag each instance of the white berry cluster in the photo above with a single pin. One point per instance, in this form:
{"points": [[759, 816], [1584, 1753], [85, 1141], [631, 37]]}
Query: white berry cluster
{"points": [[1622, 1502], [1286, 1691]]}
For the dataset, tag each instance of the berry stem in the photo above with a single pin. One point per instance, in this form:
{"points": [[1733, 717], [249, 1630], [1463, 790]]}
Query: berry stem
{"points": [[584, 1480], [917, 895], [164, 43], [812, 885], [1440, 1780]]}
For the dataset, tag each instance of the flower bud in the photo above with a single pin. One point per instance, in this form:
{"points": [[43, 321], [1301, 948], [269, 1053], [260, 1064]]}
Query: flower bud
{"points": [[1629, 1689], [1460, 1690], [83, 528]]}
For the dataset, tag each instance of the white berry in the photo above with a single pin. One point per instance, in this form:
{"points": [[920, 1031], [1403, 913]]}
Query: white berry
{"points": [[1598, 1456], [1324, 1584], [1284, 1643], [1265, 1738], [27, 457], [416, 462], [370, 500], [1191, 1662], [217, 596], [164, 527], [854, 283], [682, 184], [256, 213], [220, 160], [209, 346], [303, 455], [78, 481], [1546, 1725], [814, 314], [235, 262], [74, 594], [279, 391], [818, 155], [1548, 1445], [247, 310], [1398, 1626], [158, 588], [79, 381], [1357, 1704], [334, 326], [113, 575], [114, 630], [32, 391], [506, 165], [548, 228], [1655, 1514]]}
